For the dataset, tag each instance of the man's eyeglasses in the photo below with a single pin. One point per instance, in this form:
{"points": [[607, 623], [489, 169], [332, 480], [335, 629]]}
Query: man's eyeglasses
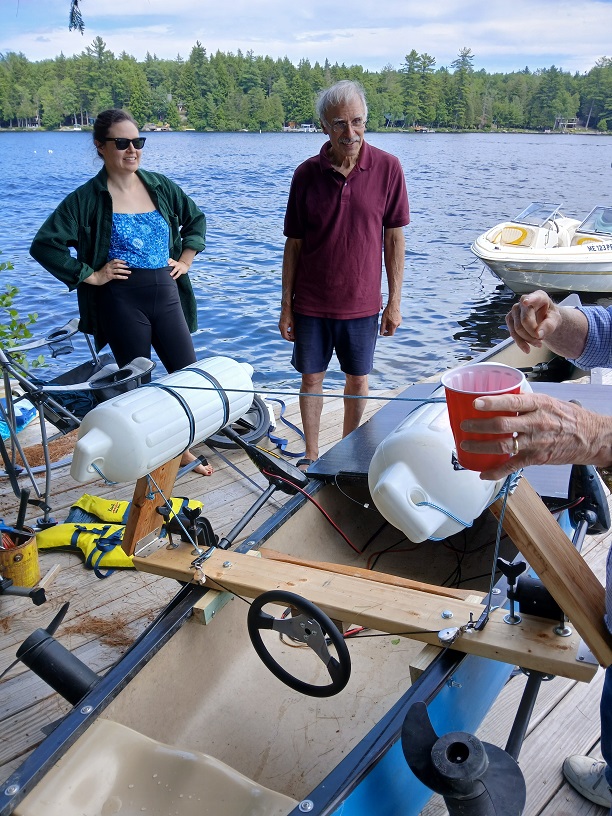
{"points": [[340, 126], [123, 144]]}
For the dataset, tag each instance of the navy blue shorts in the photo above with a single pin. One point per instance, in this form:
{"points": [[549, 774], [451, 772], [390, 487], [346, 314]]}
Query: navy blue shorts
{"points": [[316, 338]]}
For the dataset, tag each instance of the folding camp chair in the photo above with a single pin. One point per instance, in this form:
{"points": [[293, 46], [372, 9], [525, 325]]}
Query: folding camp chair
{"points": [[62, 401]]}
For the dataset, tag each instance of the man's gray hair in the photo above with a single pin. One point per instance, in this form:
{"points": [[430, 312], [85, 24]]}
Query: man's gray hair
{"points": [[342, 92]]}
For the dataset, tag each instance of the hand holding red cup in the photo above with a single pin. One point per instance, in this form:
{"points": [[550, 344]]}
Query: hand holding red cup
{"points": [[465, 384]]}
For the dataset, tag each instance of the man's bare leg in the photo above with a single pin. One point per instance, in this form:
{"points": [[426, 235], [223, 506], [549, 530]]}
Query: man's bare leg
{"points": [[310, 409], [354, 408]]}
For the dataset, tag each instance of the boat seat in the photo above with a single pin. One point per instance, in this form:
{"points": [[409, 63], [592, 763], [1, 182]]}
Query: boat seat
{"points": [[114, 769], [563, 238], [513, 235], [580, 240]]}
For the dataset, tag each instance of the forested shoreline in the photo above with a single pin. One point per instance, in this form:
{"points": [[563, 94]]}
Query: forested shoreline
{"points": [[233, 92]]}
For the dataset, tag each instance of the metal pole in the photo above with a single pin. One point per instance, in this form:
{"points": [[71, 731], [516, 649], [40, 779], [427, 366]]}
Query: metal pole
{"points": [[523, 714]]}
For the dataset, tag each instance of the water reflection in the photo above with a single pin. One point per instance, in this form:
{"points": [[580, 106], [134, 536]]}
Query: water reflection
{"points": [[485, 325]]}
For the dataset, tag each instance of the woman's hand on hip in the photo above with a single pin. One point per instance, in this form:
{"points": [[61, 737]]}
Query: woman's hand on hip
{"points": [[178, 268], [112, 270]]}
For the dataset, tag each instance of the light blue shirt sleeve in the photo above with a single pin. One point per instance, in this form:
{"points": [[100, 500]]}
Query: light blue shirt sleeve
{"points": [[597, 351]]}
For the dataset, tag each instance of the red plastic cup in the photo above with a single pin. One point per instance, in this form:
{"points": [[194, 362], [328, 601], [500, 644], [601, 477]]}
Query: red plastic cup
{"points": [[465, 384]]}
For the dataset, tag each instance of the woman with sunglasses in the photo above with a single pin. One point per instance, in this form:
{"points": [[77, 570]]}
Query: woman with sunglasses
{"points": [[136, 234]]}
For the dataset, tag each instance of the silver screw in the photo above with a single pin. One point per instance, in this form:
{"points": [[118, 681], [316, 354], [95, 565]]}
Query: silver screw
{"points": [[87, 709], [496, 591], [447, 613], [306, 806], [11, 790], [227, 564]]}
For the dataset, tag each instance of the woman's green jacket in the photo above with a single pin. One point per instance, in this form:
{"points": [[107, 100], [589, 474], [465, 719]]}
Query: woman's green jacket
{"points": [[83, 222]]}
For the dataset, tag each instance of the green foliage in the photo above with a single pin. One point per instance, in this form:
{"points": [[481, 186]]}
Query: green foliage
{"points": [[245, 91], [12, 328]]}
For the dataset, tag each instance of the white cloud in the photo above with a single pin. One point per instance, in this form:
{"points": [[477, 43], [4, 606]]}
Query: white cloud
{"points": [[502, 36]]}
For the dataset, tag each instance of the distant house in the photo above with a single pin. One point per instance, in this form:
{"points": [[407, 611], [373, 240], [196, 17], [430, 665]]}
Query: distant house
{"points": [[565, 123], [305, 127], [394, 120]]}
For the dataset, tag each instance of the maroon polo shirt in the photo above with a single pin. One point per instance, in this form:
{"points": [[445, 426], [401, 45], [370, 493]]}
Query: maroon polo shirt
{"points": [[340, 222]]}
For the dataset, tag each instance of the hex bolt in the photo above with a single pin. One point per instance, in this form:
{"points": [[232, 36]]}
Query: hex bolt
{"points": [[447, 614], [227, 564]]}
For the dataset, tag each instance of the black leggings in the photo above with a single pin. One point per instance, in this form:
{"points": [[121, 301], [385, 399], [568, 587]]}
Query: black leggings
{"points": [[144, 311]]}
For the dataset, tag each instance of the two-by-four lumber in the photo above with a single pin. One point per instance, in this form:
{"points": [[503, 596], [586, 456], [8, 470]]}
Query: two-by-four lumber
{"points": [[531, 644], [143, 518], [370, 575], [559, 566]]}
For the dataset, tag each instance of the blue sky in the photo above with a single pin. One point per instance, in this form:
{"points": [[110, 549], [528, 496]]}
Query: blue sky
{"points": [[503, 35]]}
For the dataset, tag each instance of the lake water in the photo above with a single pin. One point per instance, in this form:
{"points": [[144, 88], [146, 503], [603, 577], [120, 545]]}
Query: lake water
{"points": [[458, 185]]}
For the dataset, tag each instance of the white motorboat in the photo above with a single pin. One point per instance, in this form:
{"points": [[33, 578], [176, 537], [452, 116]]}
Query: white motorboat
{"points": [[543, 249]]}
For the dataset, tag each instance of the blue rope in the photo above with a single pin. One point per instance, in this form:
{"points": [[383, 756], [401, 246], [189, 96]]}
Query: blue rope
{"points": [[279, 441], [99, 472], [508, 486], [446, 513]]}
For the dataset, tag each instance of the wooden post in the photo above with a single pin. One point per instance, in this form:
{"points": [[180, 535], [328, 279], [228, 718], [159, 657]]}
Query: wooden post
{"points": [[559, 566], [144, 518]]}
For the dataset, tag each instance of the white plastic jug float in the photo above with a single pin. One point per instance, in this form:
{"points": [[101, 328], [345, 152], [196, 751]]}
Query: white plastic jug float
{"points": [[132, 434], [412, 468]]}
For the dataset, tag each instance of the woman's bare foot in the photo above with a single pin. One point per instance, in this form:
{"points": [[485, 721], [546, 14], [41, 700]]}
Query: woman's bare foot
{"points": [[204, 469]]}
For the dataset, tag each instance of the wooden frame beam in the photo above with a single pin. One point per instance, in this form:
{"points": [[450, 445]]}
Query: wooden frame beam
{"points": [[559, 566], [398, 610], [143, 519]]}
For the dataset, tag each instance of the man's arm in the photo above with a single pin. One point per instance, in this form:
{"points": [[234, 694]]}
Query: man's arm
{"points": [[547, 431], [394, 249], [535, 320], [293, 247]]}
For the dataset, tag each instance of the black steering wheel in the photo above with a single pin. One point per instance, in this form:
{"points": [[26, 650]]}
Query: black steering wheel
{"points": [[310, 626]]}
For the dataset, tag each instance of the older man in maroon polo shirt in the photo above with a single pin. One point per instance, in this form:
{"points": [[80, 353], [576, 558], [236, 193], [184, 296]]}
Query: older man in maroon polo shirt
{"points": [[347, 208]]}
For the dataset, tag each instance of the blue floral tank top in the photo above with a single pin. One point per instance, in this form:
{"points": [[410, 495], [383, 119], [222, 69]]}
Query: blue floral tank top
{"points": [[140, 239]]}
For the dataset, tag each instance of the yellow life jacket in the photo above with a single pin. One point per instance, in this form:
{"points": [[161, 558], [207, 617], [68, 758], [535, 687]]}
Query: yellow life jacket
{"points": [[117, 512], [99, 542]]}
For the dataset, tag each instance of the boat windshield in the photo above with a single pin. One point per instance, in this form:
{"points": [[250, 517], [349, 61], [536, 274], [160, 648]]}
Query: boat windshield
{"points": [[538, 213], [598, 221]]}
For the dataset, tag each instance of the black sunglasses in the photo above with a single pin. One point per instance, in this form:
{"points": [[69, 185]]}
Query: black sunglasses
{"points": [[122, 144]]}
